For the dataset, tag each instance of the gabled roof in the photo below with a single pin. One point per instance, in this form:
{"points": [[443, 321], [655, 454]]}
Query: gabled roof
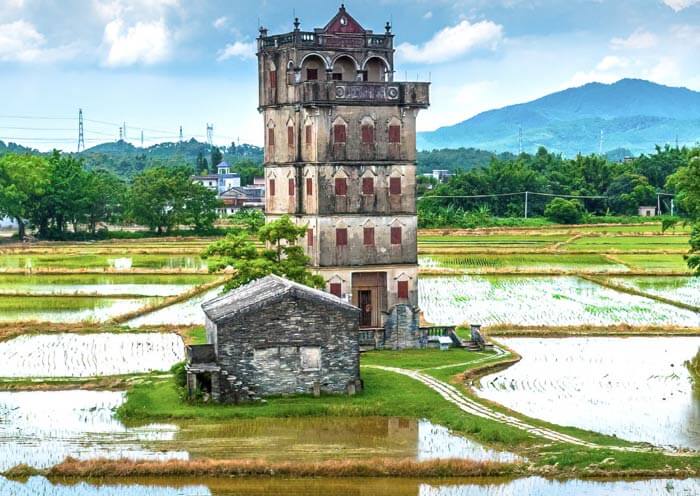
{"points": [[343, 23], [266, 291]]}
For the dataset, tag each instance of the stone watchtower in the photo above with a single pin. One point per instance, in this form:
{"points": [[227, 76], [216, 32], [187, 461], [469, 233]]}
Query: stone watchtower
{"points": [[340, 156]]}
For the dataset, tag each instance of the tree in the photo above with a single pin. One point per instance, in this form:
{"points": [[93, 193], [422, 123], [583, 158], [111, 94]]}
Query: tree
{"points": [[694, 256], [157, 197], [285, 258], [686, 182], [23, 179], [248, 170], [201, 164], [201, 206], [216, 157], [251, 219], [628, 192], [563, 211], [105, 195]]}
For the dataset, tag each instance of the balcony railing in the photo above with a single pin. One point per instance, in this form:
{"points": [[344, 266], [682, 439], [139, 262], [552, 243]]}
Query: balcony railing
{"points": [[320, 40], [360, 93]]}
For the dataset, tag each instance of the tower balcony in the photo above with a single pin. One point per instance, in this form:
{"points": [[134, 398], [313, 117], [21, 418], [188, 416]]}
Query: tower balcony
{"points": [[319, 40], [405, 94]]}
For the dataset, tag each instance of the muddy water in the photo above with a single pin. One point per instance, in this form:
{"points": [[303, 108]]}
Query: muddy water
{"points": [[41, 428], [533, 486], [325, 438], [89, 355], [635, 388]]}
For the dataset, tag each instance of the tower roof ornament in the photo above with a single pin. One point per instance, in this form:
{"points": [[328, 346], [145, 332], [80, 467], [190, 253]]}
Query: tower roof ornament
{"points": [[296, 24]]}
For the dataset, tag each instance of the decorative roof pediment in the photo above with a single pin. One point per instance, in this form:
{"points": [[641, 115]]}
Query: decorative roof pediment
{"points": [[343, 23]]}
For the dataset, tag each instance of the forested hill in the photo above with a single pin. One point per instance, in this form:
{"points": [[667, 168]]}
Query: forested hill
{"points": [[633, 114]]}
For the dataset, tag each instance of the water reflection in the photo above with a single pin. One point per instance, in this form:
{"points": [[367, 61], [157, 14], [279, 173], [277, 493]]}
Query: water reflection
{"points": [[635, 388], [532, 486], [186, 313], [42, 428]]}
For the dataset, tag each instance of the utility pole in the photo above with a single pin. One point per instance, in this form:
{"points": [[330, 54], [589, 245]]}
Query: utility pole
{"points": [[124, 131], [181, 140], [527, 193], [142, 138], [520, 140], [658, 204], [81, 132], [121, 133]]}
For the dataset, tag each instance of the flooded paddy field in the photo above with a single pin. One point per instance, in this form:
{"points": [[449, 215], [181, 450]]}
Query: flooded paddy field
{"points": [[71, 309], [634, 388], [100, 284], [125, 261], [522, 262], [682, 289], [629, 243], [540, 301], [89, 355], [201, 486], [188, 312]]}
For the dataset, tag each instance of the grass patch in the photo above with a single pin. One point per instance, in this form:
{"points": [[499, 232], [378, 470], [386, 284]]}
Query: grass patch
{"points": [[629, 243], [10, 281]]}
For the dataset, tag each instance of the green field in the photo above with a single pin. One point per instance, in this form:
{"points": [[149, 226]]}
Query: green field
{"points": [[526, 261], [629, 243], [482, 241], [92, 261]]}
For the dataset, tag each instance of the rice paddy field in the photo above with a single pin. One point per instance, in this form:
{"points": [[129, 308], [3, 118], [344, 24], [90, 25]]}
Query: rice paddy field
{"points": [[683, 289], [485, 263], [104, 262], [540, 301]]}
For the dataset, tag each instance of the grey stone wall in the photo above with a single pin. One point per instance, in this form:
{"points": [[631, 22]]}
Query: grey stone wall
{"points": [[402, 328], [260, 353]]}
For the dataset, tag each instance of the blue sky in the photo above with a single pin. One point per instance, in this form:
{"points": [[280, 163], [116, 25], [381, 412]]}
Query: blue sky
{"points": [[161, 64]]}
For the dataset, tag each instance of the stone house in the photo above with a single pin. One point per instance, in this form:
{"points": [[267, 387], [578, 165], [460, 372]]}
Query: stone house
{"points": [[276, 337]]}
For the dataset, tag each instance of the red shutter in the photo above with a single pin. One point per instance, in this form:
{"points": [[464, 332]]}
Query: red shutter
{"points": [[341, 237], [395, 235], [367, 134], [368, 236], [341, 186], [395, 186], [339, 133], [309, 186], [272, 187], [292, 187], [273, 79], [336, 289], [271, 136], [394, 134], [290, 136], [311, 74], [310, 237], [308, 134], [367, 186], [403, 289]]}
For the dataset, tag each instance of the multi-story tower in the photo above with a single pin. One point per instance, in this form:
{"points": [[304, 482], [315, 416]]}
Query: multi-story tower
{"points": [[340, 152]]}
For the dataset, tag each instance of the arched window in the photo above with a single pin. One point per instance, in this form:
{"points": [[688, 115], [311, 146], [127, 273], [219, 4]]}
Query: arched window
{"points": [[312, 68], [375, 70], [367, 126], [344, 69]]}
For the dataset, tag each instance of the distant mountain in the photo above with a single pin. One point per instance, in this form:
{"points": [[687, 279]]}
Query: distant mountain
{"points": [[632, 114], [14, 148]]}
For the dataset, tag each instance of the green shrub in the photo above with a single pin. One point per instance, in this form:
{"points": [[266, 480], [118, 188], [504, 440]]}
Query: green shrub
{"points": [[564, 211], [178, 371]]}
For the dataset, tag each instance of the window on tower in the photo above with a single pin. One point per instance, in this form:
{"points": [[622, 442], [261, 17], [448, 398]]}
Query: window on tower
{"points": [[272, 187], [309, 237], [292, 187], [394, 134], [312, 74], [309, 186], [341, 186], [336, 289], [273, 79], [290, 136], [396, 235], [309, 133], [395, 186], [403, 290], [271, 136], [339, 135], [368, 236], [341, 236], [367, 185], [367, 134]]}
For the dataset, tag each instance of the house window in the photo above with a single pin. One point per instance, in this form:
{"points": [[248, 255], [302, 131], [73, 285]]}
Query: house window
{"points": [[337, 76], [292, 187], [341, 236], [271, 136], [394, 134], [367, 186], [290, 136], [309, 237], [311, 74], [309, 130], [339, 134], [336, 289], [309, 186], [394, 185], [367, 134], [341, 186], [310, 357], [395, 235], [403, 289], [368, 236], [272, 187]]}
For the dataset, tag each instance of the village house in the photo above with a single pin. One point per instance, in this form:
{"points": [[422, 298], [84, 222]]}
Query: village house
{"points": [[276, 337]]}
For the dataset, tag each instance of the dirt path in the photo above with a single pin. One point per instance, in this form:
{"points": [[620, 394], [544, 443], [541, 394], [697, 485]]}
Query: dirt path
{"points": [[472, 407]]}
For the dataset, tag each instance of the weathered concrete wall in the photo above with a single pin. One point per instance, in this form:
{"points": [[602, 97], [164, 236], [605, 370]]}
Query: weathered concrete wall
{"points": [[261, 352], [402, 328]]}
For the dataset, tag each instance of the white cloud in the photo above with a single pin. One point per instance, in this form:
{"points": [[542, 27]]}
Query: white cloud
{"points": [[679, 5], [220, 23], [612, 62], [143, 42], [636, 41], [428, 15], [114, 9], [239, 49], [20, 41], [452, 42]]}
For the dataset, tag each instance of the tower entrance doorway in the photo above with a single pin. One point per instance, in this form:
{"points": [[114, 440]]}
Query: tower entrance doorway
{"points": [[369, 295]]}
